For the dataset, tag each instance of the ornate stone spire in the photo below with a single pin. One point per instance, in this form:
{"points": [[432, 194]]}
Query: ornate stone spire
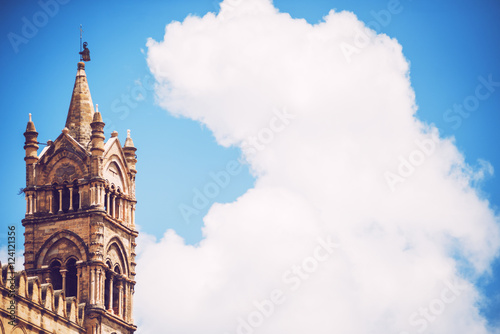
{"points": [[81, 109]]}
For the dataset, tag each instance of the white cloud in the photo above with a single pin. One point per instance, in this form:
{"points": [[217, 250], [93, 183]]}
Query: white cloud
{"points": [[321, 176]]}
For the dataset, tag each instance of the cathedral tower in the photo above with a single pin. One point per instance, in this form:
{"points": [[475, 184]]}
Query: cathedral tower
{"points": [[80, 222]]}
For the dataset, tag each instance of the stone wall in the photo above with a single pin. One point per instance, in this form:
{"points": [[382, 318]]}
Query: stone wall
{"points": [[28, 306]]}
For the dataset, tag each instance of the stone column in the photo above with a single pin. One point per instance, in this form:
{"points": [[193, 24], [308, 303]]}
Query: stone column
{"points": [[110, 294], [125, 299], [133, 215], [112, 210], [60, 201], [120, 298], [78, 274], [34, 202], [129, 302], [70, 199], [103, 285], [92, 286], [30, 205], [103, 193], [63, 275], [99, 287], [98, 195], [107, 201], [50, 203], [80, 198], [131, 315]]}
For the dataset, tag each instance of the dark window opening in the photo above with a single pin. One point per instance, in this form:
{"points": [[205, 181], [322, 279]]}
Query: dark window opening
{"points": [[55, 275], [116, 296], [116, 292], [106, 291], [116, 211], [76, 197], [65, 199], [71, 279], [55, 200], [106, 200]]}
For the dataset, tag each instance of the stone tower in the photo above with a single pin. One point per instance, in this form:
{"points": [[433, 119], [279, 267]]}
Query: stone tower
{"points": [[79, 224]]}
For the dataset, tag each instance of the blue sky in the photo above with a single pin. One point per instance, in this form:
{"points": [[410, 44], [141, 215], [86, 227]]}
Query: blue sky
{"points": [[449, 45]]}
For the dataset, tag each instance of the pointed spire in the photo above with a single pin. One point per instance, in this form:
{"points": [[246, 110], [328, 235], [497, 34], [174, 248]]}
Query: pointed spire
{"points": [[81, 108]]}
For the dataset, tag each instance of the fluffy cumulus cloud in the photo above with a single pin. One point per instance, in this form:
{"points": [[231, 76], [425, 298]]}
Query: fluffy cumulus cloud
{"points": [[362, 219]]}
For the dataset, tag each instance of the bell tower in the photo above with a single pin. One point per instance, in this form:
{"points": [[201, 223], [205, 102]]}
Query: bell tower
{"points": [[80, 214]]}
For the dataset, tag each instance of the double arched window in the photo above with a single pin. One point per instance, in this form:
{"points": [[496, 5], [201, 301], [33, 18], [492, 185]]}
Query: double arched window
{"points": [[64, 277], [65, 197], [114, 299]]}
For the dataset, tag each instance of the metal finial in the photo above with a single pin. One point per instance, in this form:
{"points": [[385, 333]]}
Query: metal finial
{"points": [[30, 117], [128, 133], [96, 108]]}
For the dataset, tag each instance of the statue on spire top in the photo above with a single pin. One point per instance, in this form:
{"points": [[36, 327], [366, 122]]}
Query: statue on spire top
{"points": [[85, 53]]}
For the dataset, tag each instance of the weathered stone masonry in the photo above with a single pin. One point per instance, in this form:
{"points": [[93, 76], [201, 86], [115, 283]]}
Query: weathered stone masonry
{"points": [[80, 231]]}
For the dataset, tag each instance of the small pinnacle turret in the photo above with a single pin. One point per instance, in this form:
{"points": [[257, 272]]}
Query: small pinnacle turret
{"points": [[31, 125], [128, 142], [31, 148], [81, 109], [97, 148], [129, 150], [97, 126]]}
